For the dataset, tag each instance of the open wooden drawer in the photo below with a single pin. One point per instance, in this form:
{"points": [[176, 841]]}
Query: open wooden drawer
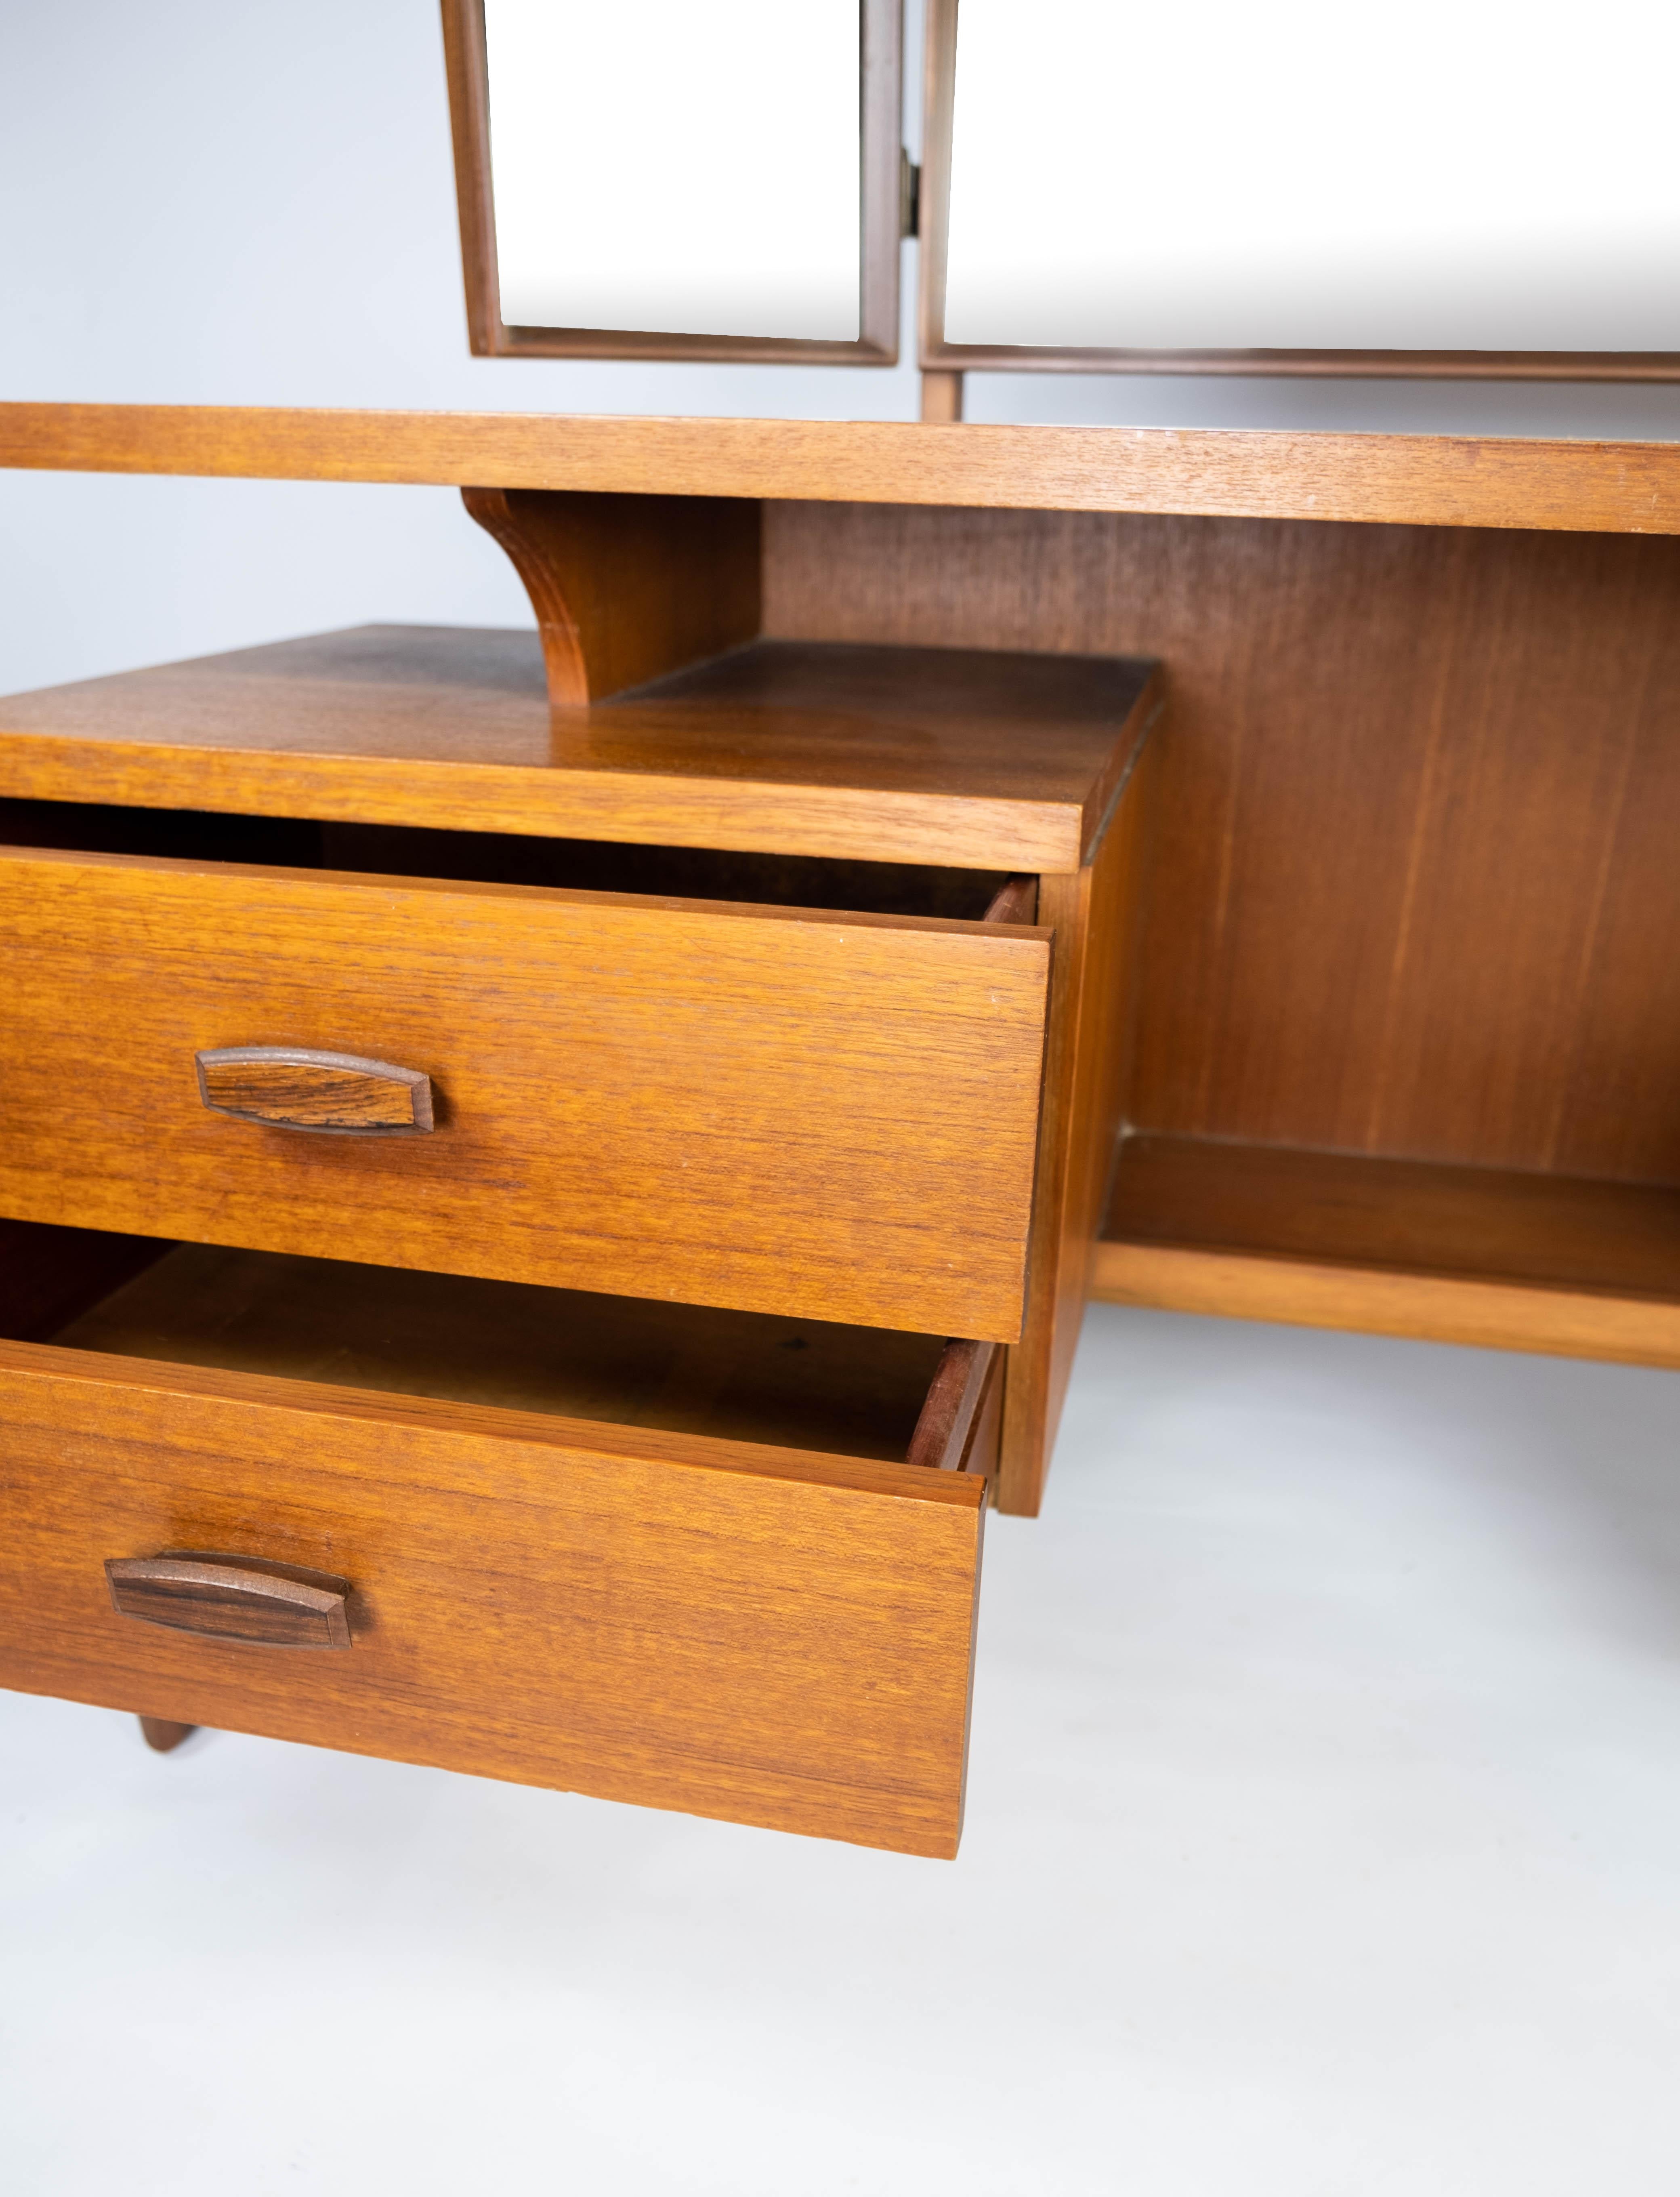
{"points": [[814, 1109], [653, 1552]]}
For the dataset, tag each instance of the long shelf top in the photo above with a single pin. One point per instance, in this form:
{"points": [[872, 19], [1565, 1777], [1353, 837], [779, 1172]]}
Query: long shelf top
{"points": [[1436, 480]]}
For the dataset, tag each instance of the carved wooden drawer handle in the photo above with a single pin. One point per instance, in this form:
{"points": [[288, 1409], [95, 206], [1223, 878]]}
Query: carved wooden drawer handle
{"points": [[332, 1093], [224, 1597]]}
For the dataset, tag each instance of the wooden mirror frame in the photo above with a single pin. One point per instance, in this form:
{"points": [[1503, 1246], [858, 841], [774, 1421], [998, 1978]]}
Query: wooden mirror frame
{"points": [[936, 355], [884, 208]]}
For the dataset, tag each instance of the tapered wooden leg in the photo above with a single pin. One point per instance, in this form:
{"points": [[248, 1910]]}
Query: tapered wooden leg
{"points": [[163, 1734]]}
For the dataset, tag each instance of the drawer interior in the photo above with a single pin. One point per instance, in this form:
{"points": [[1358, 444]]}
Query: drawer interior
{"points": [[687, 1369], [813, 881]]}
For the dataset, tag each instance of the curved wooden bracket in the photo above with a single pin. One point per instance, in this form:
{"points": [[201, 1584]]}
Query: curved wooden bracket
{"points": [[627, 587]]}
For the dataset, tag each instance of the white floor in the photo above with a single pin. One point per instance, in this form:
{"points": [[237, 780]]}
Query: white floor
{"points": [[1323, 1841]]}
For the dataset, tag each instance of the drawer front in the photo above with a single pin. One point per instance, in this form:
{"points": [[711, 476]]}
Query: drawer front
{"points": [[768, 1636], [762, 1108]]}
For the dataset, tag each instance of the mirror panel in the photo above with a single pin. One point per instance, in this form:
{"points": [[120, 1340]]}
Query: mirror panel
{"points": [[664, 179], [1459, 187]]}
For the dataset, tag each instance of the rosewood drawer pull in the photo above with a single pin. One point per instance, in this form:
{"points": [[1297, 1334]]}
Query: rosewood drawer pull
{"points": [[224, 1597], [288, 1086]]}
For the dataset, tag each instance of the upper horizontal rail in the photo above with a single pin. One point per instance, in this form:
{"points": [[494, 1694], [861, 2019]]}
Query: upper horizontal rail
{"points": [[1437, 480]]}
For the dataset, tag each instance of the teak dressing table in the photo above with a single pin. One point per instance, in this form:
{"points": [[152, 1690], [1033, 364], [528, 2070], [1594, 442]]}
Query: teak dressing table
{"points": [[547, 1179]]}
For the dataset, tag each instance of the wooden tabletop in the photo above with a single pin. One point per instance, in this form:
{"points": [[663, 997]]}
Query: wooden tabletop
{"points": [[1441, 480]]}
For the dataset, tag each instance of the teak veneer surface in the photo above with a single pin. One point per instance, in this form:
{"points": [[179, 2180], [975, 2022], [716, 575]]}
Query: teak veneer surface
{"points": [[627, 587], [1436, 480], [1469, 1254], [1097, 916], [1489, 1222], [765, 1108], [689, 1369], [969, 757], [770, 1636], [1416, 891]]}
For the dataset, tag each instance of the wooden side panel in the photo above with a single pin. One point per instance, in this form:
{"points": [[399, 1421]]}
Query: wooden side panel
{"points": [[986, 1435], [1416, 893], [775, 1640], [831, 1116], [1619, 1114], [1097, 916]]}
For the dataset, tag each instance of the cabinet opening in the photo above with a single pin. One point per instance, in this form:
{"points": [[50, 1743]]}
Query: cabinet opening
{"points": [[1500, 1257]]}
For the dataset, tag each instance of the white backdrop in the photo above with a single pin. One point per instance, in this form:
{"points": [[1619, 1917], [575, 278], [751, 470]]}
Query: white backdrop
{"points": [[1323, 1823], [1455, 175], [212, 203], [1326, 1799]]}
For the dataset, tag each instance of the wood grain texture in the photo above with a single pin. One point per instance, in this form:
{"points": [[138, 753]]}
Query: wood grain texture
{"points": [[945, 1428], [942, 385], [627, 587], [1484, 1223], [942, 399], [1016, 901], [776, 1110], [983, 759], [1096, 917], [736, 1376], [1378, 1301], [772, 1638], [985, 1439], [467, 71], [879, 100], [218, 1596], [1425, 480], [1415, 878], [1503, 1260], [331, 1093]]}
